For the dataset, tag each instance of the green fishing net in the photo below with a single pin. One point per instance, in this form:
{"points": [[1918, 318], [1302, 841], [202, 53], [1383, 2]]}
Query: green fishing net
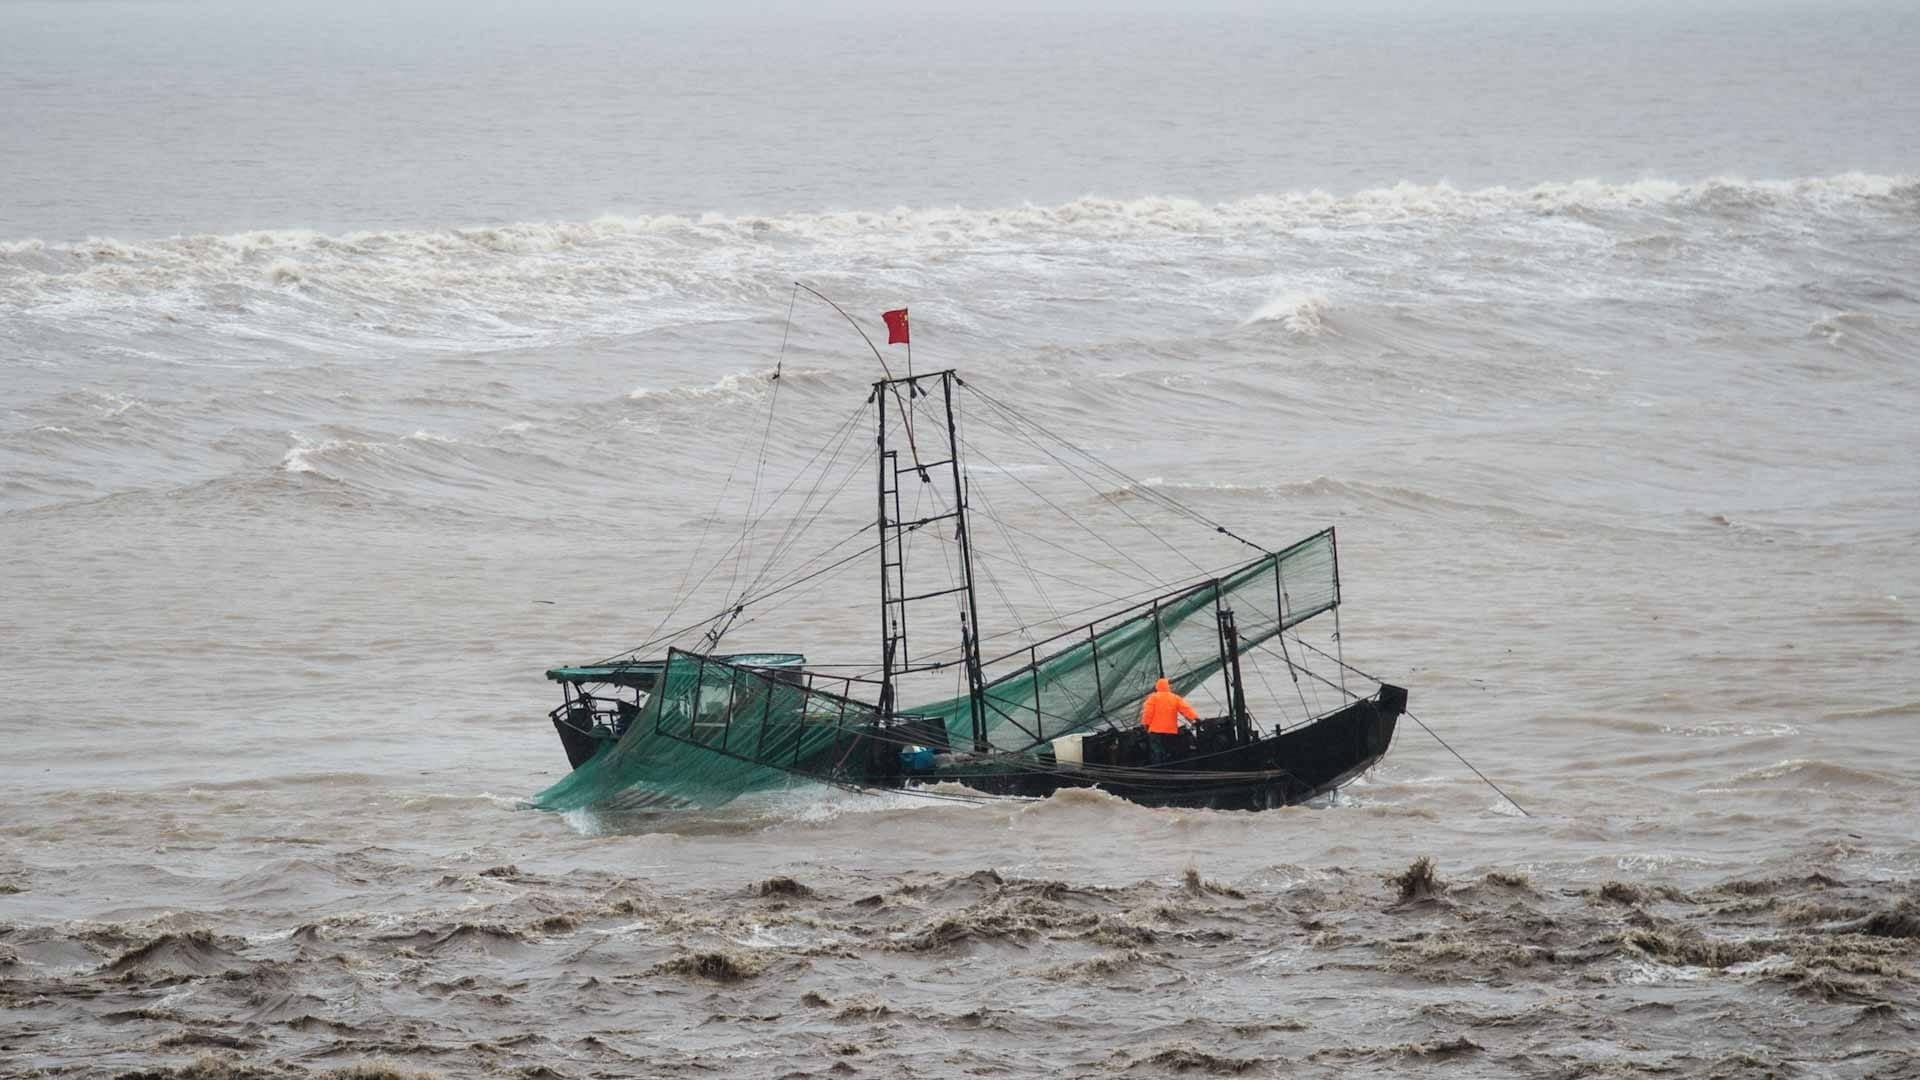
{"points": [[712, 730]]}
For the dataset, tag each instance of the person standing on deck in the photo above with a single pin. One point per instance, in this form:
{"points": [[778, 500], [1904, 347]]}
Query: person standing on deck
{"points": [[1160, 714]]}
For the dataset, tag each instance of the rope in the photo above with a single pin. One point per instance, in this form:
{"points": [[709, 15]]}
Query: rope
{"points": [[1425, 728], [791, 537], [1057, 546], [795, 528], [654, 636], [1259, 671], [1006, 537], [743, 604], [792, 578], [1143, 489], [1077, 474], [766, 436], [1468, 764], [1077, 520]]}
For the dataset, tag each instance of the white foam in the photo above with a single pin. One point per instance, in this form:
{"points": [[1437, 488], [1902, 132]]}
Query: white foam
{"points": [[285, 272], [300, 458], [726, 385], [295, 460], [946, 226], [1300, 314]]}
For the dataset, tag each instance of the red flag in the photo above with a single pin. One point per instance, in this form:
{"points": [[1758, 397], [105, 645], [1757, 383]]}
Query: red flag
{"points": [[896, 325]]}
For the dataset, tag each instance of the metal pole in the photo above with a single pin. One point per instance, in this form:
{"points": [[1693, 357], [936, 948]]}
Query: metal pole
{"points": [[1237, 687], [886, 630], [693, 711], [970, 632], [1099, 691], [1033, 666], [1339, 645], [733, 696], [1159, 655]]}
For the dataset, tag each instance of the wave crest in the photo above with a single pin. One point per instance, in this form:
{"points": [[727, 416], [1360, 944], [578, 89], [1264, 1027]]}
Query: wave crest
{"points": [[1091, 213], [1300, 315]]}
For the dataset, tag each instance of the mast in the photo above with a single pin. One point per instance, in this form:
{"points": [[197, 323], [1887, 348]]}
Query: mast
{"points": [[896, 652], [891, 633], [1230, 669], [970, 621]]}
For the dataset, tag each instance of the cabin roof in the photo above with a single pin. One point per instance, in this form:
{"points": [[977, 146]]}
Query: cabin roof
{"points": [[644, 673]]}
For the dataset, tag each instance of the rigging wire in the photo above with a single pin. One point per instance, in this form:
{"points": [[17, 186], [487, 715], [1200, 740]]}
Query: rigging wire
{"points": [[681, 591], [1020, 630], [766, 436], [1206, 687], [1174, 588], [749, 602], [1077, 520], [905, 407], [1144, 489], [1104, 495], [817, 556], [813, 582], [1468, 764], [745, 601], [985, 571], [1026, 566], [1428, 730], [967, 489], [1292, 671], [787, 585], [1056, 545], [795, 529], [654, 636], [1261, 672]]}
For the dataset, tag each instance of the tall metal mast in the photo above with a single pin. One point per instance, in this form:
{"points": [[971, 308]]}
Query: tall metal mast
{"points": [[896, 652]]}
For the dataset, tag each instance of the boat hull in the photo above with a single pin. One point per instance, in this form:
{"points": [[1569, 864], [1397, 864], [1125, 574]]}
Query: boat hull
{"points": [[1216, 764], [1216, 769]]}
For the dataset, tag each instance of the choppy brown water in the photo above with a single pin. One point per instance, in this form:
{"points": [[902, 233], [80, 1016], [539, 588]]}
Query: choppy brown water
{"points": [[880, 953]]}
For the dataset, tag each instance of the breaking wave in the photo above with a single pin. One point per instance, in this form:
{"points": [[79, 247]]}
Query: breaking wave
{"points": [[649, 254], [1305, 316]]}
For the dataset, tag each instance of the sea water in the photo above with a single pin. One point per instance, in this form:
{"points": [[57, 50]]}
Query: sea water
{"points": [[358, 363]]}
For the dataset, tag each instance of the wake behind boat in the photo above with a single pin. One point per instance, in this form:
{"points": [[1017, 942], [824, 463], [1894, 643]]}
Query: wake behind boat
{"points": [[700, 727]]}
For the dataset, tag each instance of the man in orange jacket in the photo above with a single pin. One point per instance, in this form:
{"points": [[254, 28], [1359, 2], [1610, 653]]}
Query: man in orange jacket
{"points": [[1160, 714]]}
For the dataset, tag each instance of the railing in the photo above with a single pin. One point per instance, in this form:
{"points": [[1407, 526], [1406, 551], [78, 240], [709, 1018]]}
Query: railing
{"points": [[596, 717]]}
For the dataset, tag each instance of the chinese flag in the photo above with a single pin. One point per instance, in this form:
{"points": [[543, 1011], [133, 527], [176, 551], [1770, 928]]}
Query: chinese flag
{"points": [[896, 325]]}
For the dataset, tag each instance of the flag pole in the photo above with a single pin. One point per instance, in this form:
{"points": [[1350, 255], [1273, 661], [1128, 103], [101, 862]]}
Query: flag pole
{"points": [[852, 323], [906, 413]]}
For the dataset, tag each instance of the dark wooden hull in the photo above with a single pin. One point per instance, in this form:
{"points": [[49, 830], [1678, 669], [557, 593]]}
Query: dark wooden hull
{"points": [[1259, 773], [1216, 765], [578, 742]]}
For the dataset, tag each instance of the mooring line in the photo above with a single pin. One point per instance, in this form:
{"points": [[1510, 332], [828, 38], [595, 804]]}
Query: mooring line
{"points": [[1468, 764]]}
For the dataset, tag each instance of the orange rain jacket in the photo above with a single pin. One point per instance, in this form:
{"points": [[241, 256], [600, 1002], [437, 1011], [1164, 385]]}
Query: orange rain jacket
{"points": [[1161, 712]]}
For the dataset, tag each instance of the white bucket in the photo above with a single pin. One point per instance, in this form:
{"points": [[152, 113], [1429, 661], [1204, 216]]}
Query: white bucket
{"points": [[1066, 749]]}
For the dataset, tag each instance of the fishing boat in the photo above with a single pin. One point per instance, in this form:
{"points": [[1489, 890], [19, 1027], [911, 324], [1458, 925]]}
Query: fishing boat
{"points": [[1027, 717]]}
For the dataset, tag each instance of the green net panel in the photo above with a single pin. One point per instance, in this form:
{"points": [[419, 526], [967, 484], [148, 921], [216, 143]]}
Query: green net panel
{"points": [[713, 730], [1113, 663]]}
